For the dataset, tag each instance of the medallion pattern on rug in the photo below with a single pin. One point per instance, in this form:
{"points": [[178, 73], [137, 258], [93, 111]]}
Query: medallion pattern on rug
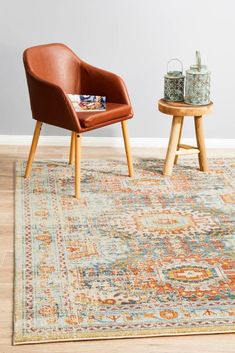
{"points": [[142, 256]]}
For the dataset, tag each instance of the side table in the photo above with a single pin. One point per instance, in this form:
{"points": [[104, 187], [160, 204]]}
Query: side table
{"points": [[179, 110]]}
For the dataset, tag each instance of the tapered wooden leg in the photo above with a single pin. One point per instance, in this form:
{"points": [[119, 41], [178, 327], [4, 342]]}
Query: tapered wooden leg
{"points": [[172, 145], [72, 148], [201, 143], [127, 148], [33, 148], [77, 165], [181, 128]]}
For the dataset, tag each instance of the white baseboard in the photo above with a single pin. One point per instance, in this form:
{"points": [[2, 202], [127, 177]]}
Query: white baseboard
{"points": [[110, 141]]}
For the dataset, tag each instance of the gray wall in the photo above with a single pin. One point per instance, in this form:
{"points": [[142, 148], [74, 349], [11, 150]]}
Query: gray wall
{"points": [[130, 37]]}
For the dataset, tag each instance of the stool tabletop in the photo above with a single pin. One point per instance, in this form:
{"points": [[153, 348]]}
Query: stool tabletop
{"points": [[183, 109]]}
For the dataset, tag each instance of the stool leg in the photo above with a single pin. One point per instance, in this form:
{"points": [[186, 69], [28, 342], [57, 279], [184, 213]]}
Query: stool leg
{"points": [[181, 128], [172, 145], [201, 143]]}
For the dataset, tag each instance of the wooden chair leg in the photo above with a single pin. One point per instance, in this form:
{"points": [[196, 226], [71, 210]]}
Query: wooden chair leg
{"points": [[201, 143], [33, 148], [181, 128], [72, 148], [77, 165], [172, 145], [127, 148]]}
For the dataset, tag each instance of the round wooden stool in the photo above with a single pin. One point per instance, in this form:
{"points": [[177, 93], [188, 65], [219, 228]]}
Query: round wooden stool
{"points": [[175, 148]]}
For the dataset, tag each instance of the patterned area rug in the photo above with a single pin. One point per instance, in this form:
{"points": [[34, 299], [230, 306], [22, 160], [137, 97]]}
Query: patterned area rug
{"points": [[142, 256]]}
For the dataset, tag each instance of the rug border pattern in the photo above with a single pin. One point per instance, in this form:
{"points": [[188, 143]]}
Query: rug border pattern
{"points": [[18, 339]]}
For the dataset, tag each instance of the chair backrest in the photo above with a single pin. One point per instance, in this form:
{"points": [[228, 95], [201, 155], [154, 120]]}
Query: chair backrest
{"points": [[55, 63]]}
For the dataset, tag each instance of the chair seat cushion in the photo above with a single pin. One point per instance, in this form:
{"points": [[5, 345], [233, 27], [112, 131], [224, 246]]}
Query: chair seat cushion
{"points": [[113, 111]]}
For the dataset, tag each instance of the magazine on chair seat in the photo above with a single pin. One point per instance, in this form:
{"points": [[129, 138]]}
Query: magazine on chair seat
{"points": [[87, 103]]}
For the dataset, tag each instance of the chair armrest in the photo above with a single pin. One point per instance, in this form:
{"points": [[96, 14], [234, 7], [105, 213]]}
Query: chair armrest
{"points": [[96, 81], [50, 104]]}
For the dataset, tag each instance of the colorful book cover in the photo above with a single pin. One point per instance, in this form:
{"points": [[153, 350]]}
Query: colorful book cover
{"points": [[87, 103]]}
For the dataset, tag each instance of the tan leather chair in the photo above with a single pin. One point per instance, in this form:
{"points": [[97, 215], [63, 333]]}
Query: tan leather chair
{"points": [[52, 71]]}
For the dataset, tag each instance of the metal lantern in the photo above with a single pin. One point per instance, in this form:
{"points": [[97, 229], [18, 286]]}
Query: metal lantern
{"points": [[174, 84], [197, 88]]}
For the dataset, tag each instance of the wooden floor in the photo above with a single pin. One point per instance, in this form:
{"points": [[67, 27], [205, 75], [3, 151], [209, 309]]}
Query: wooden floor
{"points": [[223, 343]]}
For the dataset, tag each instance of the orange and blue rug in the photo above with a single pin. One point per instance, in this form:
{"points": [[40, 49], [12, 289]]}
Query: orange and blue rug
{"points": [[135, 257]]}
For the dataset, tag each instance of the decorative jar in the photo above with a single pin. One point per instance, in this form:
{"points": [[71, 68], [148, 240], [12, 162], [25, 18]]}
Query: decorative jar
{"points": [[174, 83], [197, 87]]}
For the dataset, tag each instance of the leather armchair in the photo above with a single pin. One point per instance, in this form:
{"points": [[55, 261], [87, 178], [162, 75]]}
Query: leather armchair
{"points": [[53, 71]]}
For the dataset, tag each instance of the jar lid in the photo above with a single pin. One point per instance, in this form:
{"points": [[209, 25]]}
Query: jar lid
{"points": [[198, 69], [174, 74]]}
